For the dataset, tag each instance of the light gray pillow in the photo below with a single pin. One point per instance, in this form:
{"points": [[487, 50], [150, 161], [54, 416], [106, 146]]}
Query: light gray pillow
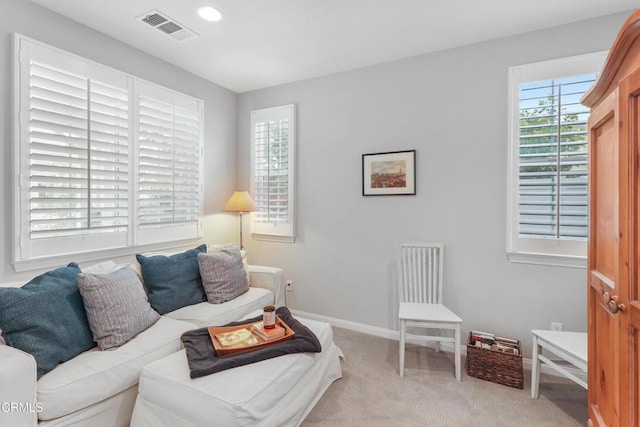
{"points": [[223, 275], [243, 254], [117, 306]]}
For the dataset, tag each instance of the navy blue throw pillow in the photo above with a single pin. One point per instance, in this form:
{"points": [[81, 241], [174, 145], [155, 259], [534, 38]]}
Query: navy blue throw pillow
{"points": [[46, 318], [173, 281]]}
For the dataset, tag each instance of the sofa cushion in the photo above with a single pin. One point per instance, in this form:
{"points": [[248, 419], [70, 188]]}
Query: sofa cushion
{"points": [[97, 375], [243, 253], [46, 318], [117, 306], [245, 395], [205, 314], [173, 281], [223, 276]]}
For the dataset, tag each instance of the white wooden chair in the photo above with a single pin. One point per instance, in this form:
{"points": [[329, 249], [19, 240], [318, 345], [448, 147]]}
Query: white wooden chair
{"points": [[420, 267]]}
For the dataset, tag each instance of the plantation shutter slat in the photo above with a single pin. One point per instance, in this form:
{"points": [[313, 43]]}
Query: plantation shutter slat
{"points": [[552, 197]]}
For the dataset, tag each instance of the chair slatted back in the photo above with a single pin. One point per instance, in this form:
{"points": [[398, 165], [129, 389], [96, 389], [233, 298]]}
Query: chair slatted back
{"points": [[420, 268]]}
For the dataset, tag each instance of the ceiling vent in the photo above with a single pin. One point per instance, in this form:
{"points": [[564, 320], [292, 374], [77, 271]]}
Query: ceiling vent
{"points": [[168, 26]]}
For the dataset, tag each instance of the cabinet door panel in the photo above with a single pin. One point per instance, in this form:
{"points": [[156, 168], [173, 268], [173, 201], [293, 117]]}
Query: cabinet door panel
{"points": [[604, 371], [604, 200], [604, 267]]}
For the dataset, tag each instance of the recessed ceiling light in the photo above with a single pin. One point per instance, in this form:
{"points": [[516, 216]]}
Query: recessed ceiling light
{"points": [[209, 14]]}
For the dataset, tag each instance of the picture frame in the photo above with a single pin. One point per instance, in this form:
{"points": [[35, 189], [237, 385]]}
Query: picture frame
{"points": [[389, 174]]}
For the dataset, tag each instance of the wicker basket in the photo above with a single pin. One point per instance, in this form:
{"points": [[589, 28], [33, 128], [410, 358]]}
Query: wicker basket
{"points": [[495, 366]]}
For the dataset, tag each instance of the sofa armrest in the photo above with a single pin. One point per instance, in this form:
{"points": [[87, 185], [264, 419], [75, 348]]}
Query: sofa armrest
{"points": [[17, 388], [269, 278]]}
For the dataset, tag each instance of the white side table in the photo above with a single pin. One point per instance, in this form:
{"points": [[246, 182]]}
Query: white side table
{"points": [[569, 346]]}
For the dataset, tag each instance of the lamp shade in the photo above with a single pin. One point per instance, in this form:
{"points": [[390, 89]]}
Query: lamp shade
{"points": [[241, 201]]}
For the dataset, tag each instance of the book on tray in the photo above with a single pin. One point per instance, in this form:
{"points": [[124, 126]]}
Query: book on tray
{"points": [[268, 334], [239, 338], [242, 338]]}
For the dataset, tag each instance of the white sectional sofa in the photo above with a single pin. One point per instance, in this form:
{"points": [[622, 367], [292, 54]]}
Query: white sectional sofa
{"points": [[99, 388], [274, 392]]}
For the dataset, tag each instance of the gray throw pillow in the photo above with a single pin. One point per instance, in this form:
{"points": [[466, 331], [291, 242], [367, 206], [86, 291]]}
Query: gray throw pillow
{"points": [[117, 306], [223, 275], [243, 254]]}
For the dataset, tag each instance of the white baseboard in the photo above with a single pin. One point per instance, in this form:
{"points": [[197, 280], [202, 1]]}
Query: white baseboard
{"points": [[395, 335]]}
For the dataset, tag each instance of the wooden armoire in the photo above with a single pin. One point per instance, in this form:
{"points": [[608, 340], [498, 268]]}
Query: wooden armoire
{"points": [[614, 235]]}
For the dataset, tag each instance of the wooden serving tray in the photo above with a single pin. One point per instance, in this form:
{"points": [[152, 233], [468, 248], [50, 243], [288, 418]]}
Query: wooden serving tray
{"points": [[243, 348]]}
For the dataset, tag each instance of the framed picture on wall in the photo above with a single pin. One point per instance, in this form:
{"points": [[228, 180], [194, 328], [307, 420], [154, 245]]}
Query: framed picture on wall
{"points": [[389, 174]]}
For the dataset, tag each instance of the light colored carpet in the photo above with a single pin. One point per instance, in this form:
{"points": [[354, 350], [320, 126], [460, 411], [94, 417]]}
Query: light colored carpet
{"points": [[371, 393]]}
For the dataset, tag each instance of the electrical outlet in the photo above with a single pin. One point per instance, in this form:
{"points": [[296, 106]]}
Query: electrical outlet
{"points": [[289, 285], [556, 326]]}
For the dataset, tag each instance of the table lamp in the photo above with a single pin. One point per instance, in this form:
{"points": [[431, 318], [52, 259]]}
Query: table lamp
{"points": [[240, 202]]}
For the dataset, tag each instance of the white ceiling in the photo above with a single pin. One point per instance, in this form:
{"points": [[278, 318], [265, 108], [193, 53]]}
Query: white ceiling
{"points": [[261, 43]]}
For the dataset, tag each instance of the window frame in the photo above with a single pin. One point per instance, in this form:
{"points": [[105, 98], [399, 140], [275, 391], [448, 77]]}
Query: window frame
{"points": [[30, 254], [565, 252], [277, 232]]}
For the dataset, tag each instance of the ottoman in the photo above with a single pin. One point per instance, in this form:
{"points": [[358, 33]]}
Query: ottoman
{"points": [[274, 392]]}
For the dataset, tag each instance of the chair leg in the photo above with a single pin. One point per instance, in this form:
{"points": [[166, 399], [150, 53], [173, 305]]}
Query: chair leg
{"points": [[457, 351], [438, 333], [535, 369], [402, 332]]}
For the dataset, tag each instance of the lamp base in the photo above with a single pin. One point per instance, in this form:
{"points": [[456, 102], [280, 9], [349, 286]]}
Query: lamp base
{"points": [[241, 246]]}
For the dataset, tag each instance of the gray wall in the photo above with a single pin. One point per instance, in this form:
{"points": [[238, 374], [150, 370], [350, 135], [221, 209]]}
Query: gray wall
{"points": [[220, 110], [451, 107]]}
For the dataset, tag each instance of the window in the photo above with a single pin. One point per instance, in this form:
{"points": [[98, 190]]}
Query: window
{"points": [[548, 193], [104, 160], [272, 173]]}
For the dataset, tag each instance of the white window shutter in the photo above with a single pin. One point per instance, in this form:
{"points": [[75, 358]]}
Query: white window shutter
{"points": [[168, 165], [272, 172], [155, 162], [78, 154], [58, 157], [109, 157], [186, 167], [553, 192], [103, 160]]}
